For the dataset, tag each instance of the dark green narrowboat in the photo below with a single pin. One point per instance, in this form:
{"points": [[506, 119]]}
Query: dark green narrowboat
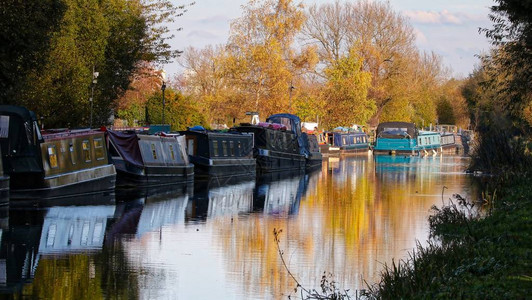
{"points": [[52, 163]]}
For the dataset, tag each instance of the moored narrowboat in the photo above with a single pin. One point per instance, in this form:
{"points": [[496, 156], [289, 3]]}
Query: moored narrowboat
{"points": [[451, 142], [278, 143], [405, 138], [345, 143], [216, 153], [53, 163], [149, 160]]}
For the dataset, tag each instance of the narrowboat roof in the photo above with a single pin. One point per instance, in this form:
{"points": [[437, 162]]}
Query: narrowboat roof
{"points": [[410, 128], [19, 111]]}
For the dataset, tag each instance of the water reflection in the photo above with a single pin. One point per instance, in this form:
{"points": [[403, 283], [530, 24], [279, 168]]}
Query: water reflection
{"points": [[214, 240]]}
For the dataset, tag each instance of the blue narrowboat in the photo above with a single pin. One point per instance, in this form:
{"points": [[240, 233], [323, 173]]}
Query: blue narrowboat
{"points": [[405, 138], [344, 143]]}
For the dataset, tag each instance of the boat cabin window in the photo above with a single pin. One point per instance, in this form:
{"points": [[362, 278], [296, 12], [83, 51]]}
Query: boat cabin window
{"points": [[190, 147], [4, 126], [85, 233], [232, 148], [285, 143], [52, 156], [172, 154], [37, 132], [98, 149], [224, 147], [50, 236], [215, 148], [72, 154], [273, 142], [86, 150], [153, 151], [239, 145]]}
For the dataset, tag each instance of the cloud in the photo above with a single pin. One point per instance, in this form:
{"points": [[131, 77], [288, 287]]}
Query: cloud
{"points": [[441, 17], [214, 19], [420, 37], [202, 34]]}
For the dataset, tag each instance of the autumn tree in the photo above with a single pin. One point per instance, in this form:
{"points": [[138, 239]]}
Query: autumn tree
{"points": [[180, 112], [345, 93], [131, 107], [385, 41], [205, 81], [261, 62]]}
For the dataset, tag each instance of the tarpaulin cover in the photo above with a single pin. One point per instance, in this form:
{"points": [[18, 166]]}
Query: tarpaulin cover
{"points": [[126, 143], [398, 129]]}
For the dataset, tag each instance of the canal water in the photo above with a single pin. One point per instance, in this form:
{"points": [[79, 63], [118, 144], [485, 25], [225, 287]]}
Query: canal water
{"points": [[214, 240]]}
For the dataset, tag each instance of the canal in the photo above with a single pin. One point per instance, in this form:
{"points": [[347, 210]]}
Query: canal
{"points": [[214, 240]]}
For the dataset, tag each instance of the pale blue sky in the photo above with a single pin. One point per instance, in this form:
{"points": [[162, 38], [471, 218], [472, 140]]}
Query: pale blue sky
{"points": [[447, 27]]}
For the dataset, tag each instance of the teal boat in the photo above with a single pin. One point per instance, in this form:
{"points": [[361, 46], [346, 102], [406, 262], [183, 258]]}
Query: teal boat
{"points": [[405, 138]]}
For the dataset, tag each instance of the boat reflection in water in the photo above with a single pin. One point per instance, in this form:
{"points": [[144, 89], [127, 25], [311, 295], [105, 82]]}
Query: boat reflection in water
{"points": [[149, 209], [37, 239], [280, 193]]}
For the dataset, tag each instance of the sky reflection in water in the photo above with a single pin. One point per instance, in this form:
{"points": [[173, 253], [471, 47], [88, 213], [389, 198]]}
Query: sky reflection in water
{"points": [[215, 240]]}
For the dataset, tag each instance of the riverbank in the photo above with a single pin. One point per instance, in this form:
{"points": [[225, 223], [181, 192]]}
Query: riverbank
{"points": [[470, 255]]}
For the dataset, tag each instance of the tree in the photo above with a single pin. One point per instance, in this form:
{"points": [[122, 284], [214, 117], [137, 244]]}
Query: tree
{"points": [[385, 41], [25, 41], [180, 112], [512, 36], [261, 63], [345, 93], [80, 37], [131, 106]]}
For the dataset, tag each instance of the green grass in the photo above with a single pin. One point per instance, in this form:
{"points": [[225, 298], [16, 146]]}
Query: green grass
{"points": [[470, 255]]}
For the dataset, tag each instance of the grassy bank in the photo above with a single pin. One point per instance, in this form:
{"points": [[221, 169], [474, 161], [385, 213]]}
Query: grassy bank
{"points": [[471, 255]]}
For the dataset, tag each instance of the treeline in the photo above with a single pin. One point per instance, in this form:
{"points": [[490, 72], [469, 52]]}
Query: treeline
{"points": [[499, 92], [50, 49], [340, 63]]}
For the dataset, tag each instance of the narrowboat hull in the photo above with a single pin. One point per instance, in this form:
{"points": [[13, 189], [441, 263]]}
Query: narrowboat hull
{"points": [[314, 162], [273, 161], [88, 181], [4, 190], [133, 176], [354, 150], [205, 167]]}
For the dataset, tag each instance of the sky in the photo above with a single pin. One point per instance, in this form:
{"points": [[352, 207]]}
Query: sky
{"points": [[447, 27]]}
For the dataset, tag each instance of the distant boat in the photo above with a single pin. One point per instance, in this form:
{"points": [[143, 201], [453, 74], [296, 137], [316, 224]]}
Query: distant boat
{"points": [[52, 163], [405, 138], [344, 143], [216, 153], [149, 160], [278, 143], [451, 141]]}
